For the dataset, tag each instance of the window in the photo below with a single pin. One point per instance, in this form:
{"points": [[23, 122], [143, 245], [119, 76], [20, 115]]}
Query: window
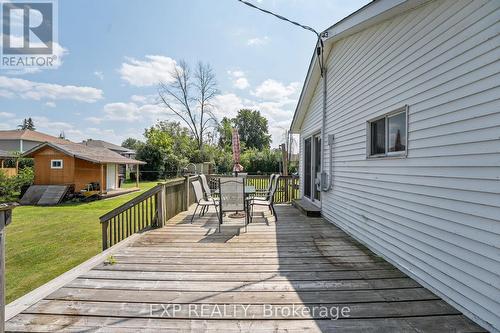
{"points": [[387, 134], [56, 164]]}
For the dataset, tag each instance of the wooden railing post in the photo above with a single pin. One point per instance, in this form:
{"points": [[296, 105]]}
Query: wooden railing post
{"points": [[104, 226], [186, 204], [160, 206], [5, 219]]}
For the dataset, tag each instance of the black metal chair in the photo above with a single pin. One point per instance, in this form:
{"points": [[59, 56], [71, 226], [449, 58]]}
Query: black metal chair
{"points": [[232, 197], [200, 199], [267, 200]]}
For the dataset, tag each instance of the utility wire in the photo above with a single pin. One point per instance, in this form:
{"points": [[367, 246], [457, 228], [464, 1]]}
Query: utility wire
{"points": [[319, 47], [280, 17]]}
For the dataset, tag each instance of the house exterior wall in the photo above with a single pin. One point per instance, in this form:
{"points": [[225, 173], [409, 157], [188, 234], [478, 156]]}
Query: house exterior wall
{"points": [[28, 144], [45, 175], [436, 213], [10, 145], [87, 172]]}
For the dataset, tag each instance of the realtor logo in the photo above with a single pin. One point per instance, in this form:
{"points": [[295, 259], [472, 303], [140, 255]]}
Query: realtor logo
{"points": [[28, 34]]}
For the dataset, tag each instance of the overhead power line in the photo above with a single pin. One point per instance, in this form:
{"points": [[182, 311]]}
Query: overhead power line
{"points": [[319, 46]]}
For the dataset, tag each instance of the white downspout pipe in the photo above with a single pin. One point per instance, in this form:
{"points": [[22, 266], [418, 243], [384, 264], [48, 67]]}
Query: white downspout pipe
{"points": [[325, 180]]}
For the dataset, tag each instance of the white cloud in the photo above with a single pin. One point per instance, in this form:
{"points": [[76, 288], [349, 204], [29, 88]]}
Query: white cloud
{"points": [[128, 112], [275, 90], [50, 104], [6, 115], [99, 74], [39, 90], [147, 72], [278, 113], [239, 79], [258, 41], [144, 99]]}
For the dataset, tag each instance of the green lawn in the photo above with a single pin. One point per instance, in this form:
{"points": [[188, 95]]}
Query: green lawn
{"points": [[44, 242]]}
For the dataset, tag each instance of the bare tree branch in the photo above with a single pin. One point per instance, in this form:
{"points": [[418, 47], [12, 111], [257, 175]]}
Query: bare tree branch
{"points": [[191, 96]]}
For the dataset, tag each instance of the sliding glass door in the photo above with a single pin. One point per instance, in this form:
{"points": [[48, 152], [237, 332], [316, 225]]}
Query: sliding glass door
{"points": [[312, 167], [307, 167]]}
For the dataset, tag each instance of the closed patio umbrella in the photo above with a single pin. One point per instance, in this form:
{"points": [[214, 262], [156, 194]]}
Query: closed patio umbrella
{"points": [[237, 167]]}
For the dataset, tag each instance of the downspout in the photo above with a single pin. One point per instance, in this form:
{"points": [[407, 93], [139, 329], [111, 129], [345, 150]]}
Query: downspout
{"points": [[325, 179]]}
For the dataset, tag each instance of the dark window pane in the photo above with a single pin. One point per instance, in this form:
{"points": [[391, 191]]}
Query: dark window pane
{"points": [[397, 132], [307, 167], [377, 129]]}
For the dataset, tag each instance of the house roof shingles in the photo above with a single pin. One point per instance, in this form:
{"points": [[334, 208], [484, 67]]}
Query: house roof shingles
{"points": [[105, 144], [6, 154], [29, 135], [81, 151]]}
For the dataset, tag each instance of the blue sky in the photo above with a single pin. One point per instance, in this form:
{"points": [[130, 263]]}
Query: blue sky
{"points": [[112, 54]]}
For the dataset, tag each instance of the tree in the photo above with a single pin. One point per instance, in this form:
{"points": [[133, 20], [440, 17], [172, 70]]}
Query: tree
{"points": [[132, 143], [62, 135], [225, 133], [27, 124], [189, 96], [253, 129]]}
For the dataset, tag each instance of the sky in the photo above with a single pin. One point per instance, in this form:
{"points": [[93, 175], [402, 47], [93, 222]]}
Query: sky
{"points": [[112, 54]]}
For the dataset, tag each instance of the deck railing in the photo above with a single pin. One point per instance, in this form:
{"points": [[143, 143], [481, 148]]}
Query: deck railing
{"points": [[287, 190], [148, 210], [154, 207], [5, 219]]}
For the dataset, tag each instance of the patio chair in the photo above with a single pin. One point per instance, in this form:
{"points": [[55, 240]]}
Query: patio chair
{"points": [[232, 197], [267, 200], [200, 199], [263, 192], [206, 190]]}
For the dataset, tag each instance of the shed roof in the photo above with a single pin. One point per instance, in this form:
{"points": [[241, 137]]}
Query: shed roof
{"points": [[81, 151], [6, 154], [29, 135]]}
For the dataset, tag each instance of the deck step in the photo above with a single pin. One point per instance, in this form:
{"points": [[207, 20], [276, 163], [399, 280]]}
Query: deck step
{"points": [[307, 208]]}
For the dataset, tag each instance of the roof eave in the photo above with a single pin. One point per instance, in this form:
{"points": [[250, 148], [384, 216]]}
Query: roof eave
{"points": [[371, 14]]}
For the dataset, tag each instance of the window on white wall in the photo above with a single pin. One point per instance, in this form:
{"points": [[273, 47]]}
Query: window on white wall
{"points": [[387, 135], [56, 164]]}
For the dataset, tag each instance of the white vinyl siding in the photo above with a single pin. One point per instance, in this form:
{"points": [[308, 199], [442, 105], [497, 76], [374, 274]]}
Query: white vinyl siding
{"points": [[436, 213]]}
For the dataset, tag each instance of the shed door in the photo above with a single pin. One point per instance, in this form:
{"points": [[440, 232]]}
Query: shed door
{"points": [[110, 176]]}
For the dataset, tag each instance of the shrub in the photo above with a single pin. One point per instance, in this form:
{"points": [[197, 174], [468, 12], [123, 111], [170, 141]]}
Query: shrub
{"points": [[10, 187]]}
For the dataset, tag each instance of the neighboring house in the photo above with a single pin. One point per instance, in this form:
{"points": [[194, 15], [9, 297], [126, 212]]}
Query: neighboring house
{"points": [[76, 164], [111, 146], [24, 140], [410, 145], [129, 153]]}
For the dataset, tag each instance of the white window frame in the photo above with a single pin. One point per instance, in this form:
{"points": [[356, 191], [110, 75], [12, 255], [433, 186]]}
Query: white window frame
{"points": [[387, 154], [56, 167]]}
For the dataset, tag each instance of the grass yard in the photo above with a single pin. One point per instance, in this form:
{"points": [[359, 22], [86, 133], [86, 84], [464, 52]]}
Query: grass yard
{"points": [[44, 242]]}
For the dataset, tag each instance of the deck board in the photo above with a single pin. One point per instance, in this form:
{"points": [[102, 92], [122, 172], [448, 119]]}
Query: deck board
{"points": [[298, 262]]}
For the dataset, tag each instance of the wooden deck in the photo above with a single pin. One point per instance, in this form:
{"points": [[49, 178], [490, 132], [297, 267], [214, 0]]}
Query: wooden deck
{"points": [[277, 277]]}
